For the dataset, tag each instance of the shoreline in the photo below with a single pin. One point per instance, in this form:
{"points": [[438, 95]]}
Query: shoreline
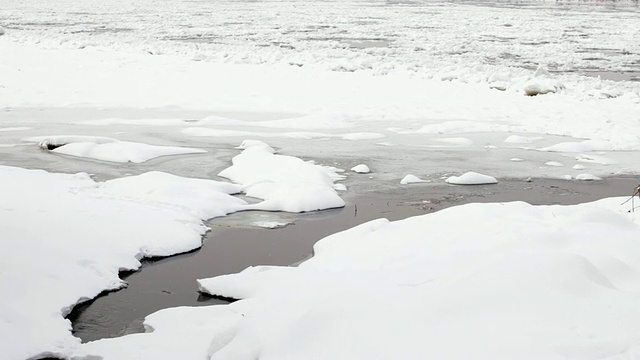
{"points": [[233, 244]]}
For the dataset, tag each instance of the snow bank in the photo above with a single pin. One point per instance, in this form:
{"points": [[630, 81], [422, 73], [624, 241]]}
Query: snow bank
{"points": [[108, 149], [66, 237], [285, 183], [361, 169], [411, 179], [270, 224], [507, 283], [471, 178]]}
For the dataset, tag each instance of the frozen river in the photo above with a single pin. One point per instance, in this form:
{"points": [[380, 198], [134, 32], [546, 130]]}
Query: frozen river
{"points": [[148, 104]]}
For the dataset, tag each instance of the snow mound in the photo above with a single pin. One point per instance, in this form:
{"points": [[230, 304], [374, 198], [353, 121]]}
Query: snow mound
{"points": [[508, 268], [411, 179], [587, 177], [471, 178], [270, 224], [251, 143], [108, 149], [361, 169], [554, 163], [285, 183], [542, 83], [17, 128]]}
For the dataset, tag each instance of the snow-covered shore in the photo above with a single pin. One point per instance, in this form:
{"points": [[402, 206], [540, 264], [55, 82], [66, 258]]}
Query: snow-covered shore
{"points": [[429, 89]]}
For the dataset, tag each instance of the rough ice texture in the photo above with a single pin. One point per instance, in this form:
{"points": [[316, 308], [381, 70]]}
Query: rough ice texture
{"points": [[411, 179], [284, 182], [361, 169], [507, 283], [108, 149], [471, 178]]}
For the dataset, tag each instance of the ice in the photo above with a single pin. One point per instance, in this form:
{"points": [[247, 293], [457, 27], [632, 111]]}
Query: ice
{"points": [[303, 135], [579, 167], [471, 178], [518, 139], [108, 149], [554, 163], [508, 269], [270, 224], [16, 128], [577, 147], [457, 141], [361, 169], [283, 182], [587, 177], [411, 179]]}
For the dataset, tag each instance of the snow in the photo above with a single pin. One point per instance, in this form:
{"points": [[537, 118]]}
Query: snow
{"points": [[507, 282], [516, 159], [270, 224], [66, 237], [587, 177], [554, 163], [471, 178], [579, 167], [518, 139], [16, 128], [284, 183], [411, 179], [535, 87], [108, 149], [361, 169]]}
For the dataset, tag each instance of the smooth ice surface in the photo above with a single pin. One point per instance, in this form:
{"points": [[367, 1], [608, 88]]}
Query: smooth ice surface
{"points": [[508, 283], [108, 149], [471, 178]]}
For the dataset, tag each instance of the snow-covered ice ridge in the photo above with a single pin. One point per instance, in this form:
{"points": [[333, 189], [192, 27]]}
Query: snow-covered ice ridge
{"points": [[516, 281], [472, 42]]}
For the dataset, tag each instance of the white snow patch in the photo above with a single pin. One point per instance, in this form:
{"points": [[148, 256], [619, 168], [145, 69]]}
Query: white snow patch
{"points": [[251, 143], [361, 169], [108, 149], [519, 139], [284, 182], [595, 159], [587, 177], [516, 159], [270, 224], [411, 179], [583, 146], [554, 163], [471, 178], [579, 167]]}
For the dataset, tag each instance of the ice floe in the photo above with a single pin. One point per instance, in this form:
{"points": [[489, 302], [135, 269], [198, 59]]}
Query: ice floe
{"points": [[471, 178], [361, 169], [411, 179], [108, 149], [284, 182]]}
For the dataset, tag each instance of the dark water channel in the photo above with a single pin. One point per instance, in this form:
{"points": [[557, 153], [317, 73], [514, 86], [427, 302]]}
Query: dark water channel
{"points": [[232, 245]]}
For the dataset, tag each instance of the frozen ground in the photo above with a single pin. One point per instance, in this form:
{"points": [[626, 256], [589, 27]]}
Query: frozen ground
{"points": [[432, 89]]}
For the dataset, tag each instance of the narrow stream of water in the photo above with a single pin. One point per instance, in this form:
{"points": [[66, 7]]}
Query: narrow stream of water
{"points": [[232, 244]]}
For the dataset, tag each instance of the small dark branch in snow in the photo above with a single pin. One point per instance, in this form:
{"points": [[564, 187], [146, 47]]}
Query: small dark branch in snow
{"points": [[636, 191]]}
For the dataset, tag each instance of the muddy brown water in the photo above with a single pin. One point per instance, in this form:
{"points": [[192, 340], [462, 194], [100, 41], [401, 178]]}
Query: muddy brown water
{"points": [[232, 245]]}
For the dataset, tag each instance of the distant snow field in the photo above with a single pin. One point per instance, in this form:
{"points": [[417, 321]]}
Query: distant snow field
{"points": [[157, 89]]}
